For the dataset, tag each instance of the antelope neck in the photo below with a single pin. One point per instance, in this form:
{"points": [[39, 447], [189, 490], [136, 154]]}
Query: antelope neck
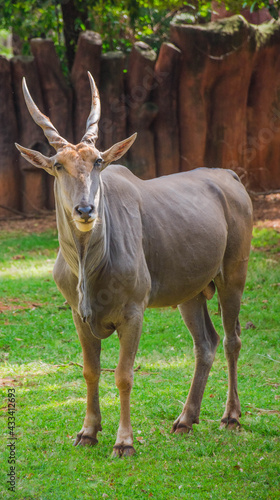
{"points": [[84, 252]]}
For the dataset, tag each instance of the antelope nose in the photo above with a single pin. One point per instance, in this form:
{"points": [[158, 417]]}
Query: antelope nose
{"points": [[85, 213]]}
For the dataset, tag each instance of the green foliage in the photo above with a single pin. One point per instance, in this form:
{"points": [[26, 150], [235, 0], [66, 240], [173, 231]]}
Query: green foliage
{"points": [[273, 6], [32, 19], [119, 23], [38, 343], [4, 49], [113, 24]]}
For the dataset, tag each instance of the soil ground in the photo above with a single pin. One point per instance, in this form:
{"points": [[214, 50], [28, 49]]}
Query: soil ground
{"points": [[266, 214], [267, 211]]}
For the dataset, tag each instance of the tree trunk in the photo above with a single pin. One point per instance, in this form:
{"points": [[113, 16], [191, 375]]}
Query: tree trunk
{"points": [[262, 152], [217, 61], [9, 170], [56, 93], [87, 59], [141, 111], [166, 129], [34, 190], [112, 126], [71, 28]]}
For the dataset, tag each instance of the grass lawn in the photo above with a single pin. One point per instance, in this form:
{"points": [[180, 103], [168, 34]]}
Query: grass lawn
{"points": [[40, 357]]}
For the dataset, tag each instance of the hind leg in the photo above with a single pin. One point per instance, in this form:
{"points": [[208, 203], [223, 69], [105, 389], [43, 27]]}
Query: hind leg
{"points": [[230, 293], [206, 340]]}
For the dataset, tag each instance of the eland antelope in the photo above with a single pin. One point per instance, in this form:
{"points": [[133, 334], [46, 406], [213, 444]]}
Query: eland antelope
{"points": [[128, 244]]}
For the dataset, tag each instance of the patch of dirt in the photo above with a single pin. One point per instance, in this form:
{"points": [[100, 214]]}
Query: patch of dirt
{"points": [[266, 214], [14, 305], [6, 382], [29, 225], [267, 211]]}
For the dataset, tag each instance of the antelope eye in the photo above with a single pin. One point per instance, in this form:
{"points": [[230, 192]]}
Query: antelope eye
{"points": [[98, 162], [58, 166]]}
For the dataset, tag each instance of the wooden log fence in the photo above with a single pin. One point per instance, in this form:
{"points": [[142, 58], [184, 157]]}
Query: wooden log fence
{"points": [[210, 98]]}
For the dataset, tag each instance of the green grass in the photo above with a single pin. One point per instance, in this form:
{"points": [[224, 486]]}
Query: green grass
{"points": [[37, 337]]}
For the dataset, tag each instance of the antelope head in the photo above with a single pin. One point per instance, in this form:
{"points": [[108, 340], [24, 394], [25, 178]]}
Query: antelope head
{"points": [[76, 168]]}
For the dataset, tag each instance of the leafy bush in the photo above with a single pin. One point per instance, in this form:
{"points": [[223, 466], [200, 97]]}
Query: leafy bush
{"points": [[119, 23]]}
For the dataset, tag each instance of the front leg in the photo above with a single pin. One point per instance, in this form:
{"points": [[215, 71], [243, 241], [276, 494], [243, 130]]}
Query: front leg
{"points": [[91, 347], [129, 333]]}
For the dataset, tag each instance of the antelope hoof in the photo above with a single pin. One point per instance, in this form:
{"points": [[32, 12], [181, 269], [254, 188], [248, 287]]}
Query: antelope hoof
{"points": [[121, 450], [84, 440], [180, 428], [230, 423]]}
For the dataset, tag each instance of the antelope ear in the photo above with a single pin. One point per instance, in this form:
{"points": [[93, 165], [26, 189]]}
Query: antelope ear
{"points": [[118, 150], [36, 158]]}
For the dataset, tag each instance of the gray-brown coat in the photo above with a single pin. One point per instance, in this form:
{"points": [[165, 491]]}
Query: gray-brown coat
{"points": [[128, 244]]}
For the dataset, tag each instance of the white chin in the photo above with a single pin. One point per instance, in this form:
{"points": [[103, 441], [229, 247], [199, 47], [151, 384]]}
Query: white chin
{"points": [[84, 227]]}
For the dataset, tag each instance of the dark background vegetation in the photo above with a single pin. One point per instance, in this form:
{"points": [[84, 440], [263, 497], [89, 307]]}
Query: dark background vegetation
{"points": [[120, 23]]}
